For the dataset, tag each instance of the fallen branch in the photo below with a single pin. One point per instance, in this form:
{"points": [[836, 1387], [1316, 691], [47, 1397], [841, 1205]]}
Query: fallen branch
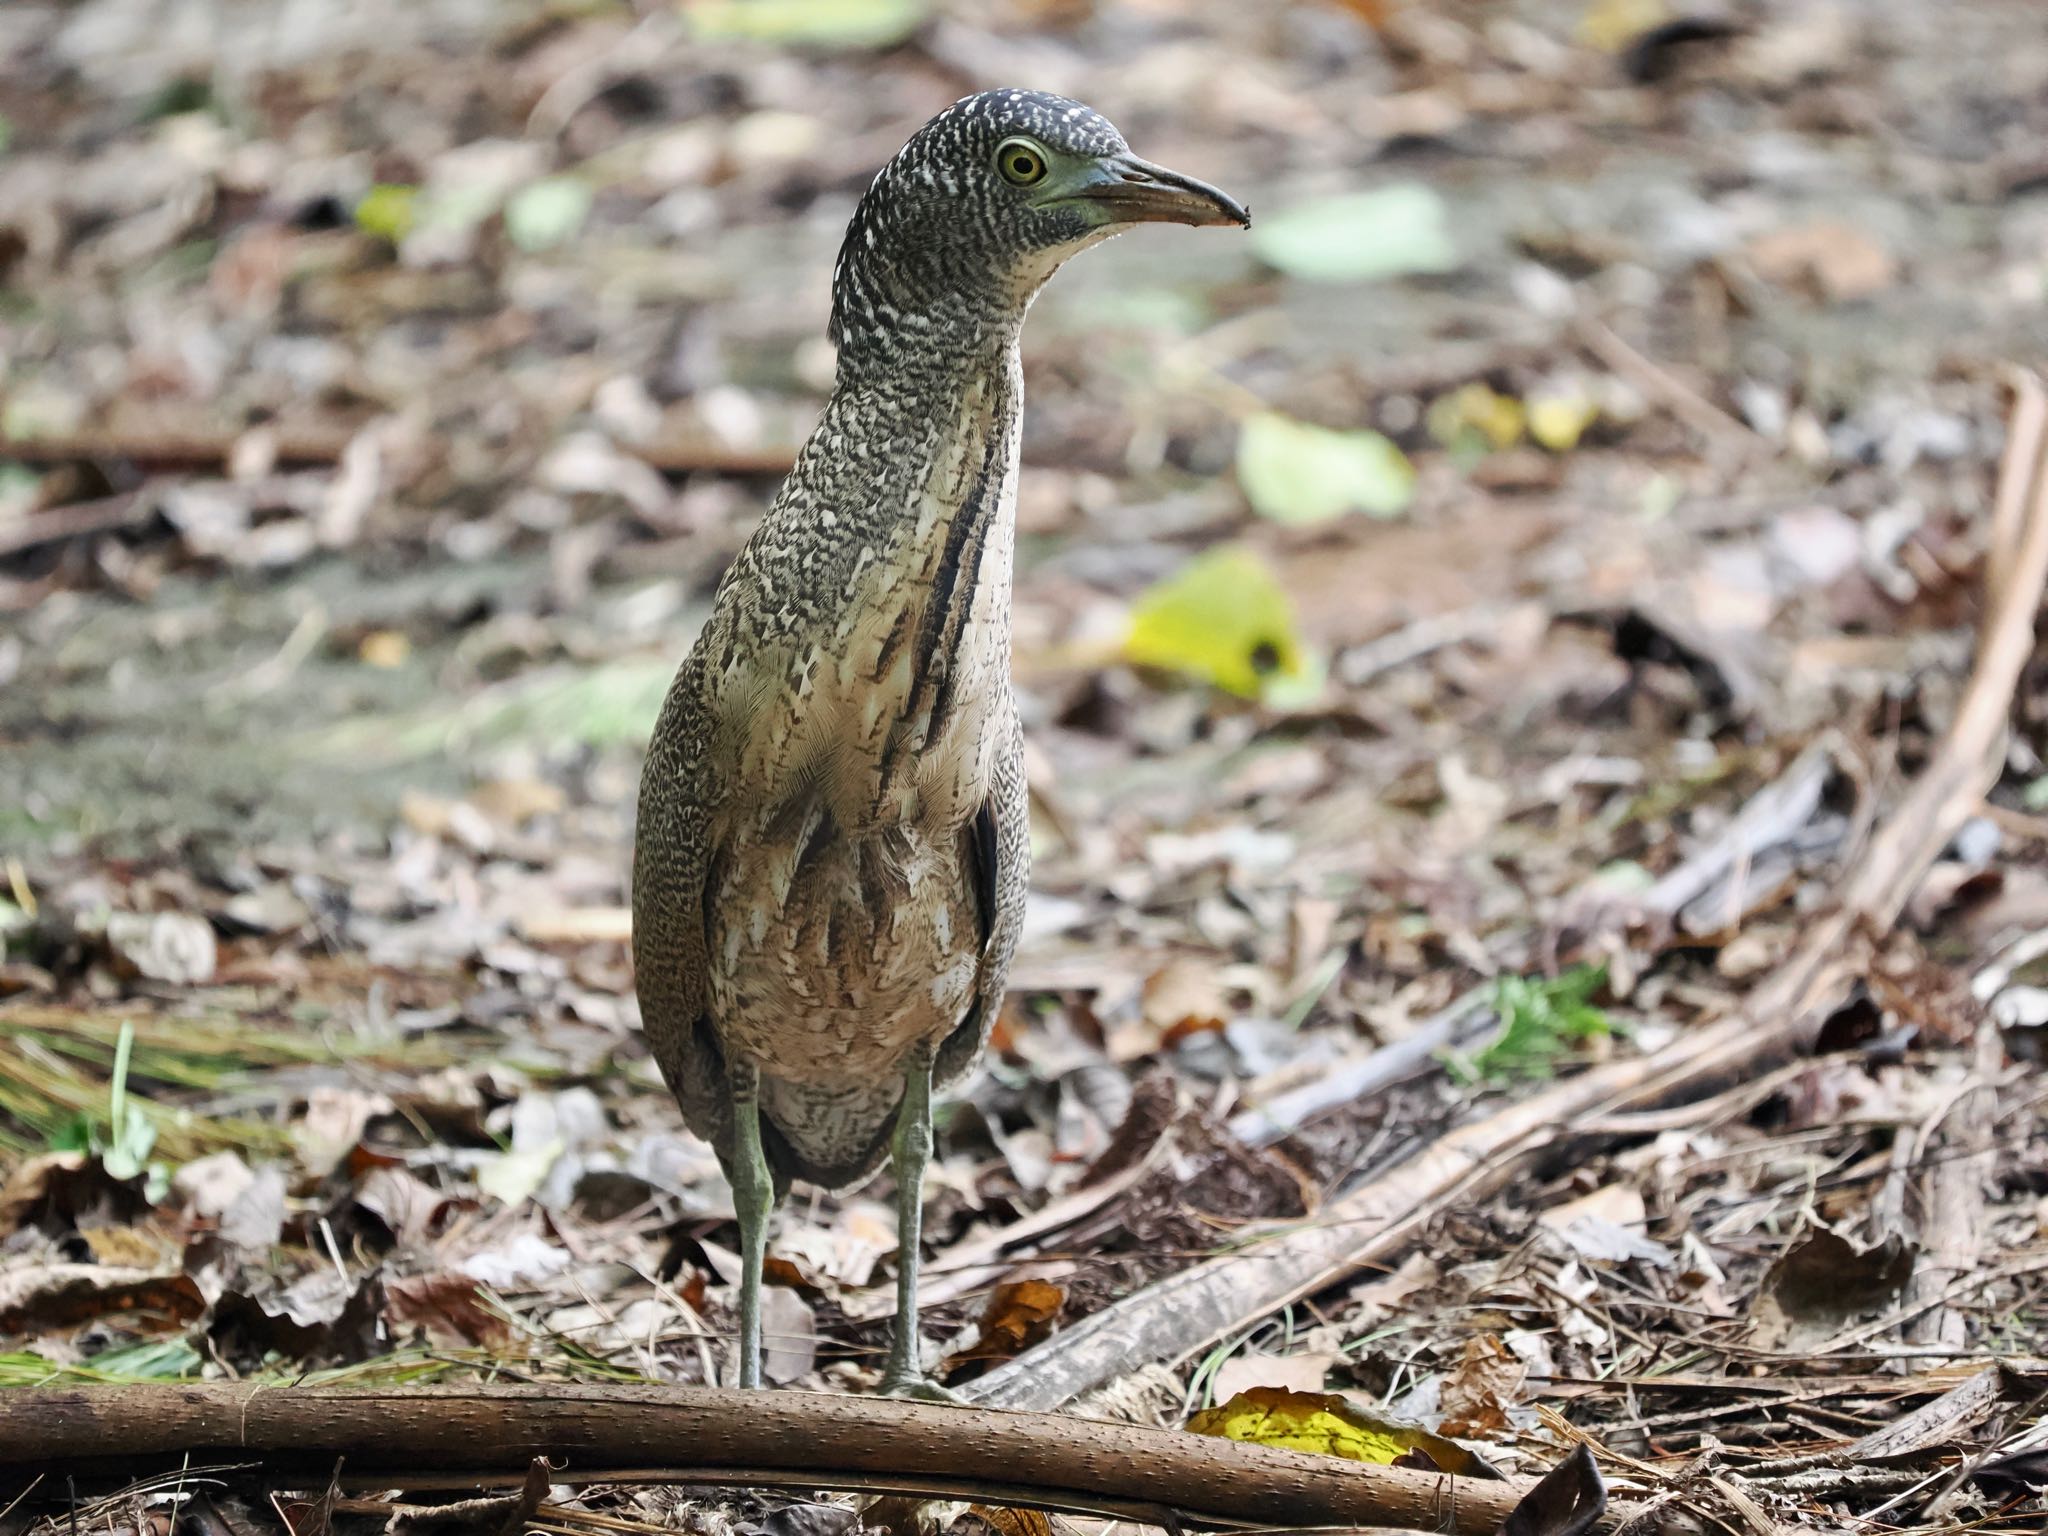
{"points": [[1953, 1194], [597, 1434], [1944, 1420], [1717, 884], [1371, 1226], [180, 441], [1724, 868], [1966, 763], [80, 519]]}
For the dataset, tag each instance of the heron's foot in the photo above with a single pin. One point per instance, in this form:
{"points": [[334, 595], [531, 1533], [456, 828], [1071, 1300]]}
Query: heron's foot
{"points": [[915, 1387]]}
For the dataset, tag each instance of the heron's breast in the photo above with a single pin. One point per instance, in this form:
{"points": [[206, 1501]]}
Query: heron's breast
{"points": [[833, 954]]}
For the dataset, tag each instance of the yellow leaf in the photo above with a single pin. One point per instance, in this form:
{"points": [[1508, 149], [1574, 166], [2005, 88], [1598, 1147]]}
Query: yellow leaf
{"points": [[1325, 1424], [1496, 417], [388, 210], [1611, 25], [385, 648], [1224, 618], [1559, 421]]}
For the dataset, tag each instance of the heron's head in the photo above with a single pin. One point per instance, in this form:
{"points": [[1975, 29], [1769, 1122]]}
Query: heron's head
{"points": [[984, 203]]}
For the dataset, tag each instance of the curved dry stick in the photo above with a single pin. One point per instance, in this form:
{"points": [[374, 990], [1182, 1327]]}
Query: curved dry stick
{"points": [[591, 1433]]}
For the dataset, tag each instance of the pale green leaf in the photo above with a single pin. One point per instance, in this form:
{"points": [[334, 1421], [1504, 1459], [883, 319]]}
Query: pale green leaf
{"points": [[1293, 472], [548, 213], [20, 487], [36, 410], [457, 207], [512, 1177], [1623, 877], [1224, 618], [817, 23], [1388, 232]]}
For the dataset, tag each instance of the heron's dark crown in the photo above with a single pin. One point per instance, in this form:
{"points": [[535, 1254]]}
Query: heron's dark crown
{"points": [[942, 241]]}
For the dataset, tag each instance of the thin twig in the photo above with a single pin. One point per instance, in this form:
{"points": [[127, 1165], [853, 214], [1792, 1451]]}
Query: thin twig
{"points": [[1664, 387]]}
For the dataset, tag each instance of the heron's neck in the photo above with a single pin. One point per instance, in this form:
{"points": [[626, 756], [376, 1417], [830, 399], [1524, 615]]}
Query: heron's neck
{"points": [[927, 345], [932, 398]]}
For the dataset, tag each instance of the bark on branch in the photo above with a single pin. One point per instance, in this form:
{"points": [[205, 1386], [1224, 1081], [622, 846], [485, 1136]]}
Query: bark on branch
{"points": [[811, 1440]]}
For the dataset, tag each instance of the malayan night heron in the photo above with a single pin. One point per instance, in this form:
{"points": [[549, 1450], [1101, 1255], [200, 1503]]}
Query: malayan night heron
{"points": [[834, 839]]}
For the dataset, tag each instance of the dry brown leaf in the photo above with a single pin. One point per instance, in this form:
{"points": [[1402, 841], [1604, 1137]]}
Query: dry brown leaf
{"points": [[1607, 1226], [1478, 1393], [903, 1514], [46, 1298], [1567, 1502], [1186, 996], [515, 802], [1001, 1520], [333, 1123], [61, 1191], [319, 1316], [448, 1307], [175, 948], [1376, 1298], [403, 1201], [1287, 1373], [1837, 262], [789, 1335], [1823, 1280], [138, 1247], [207, 1186], [777, 1269], [1017, 1316]]}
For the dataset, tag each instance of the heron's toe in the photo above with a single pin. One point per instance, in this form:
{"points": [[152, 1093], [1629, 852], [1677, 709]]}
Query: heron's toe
{"points": [[918, 1389]]}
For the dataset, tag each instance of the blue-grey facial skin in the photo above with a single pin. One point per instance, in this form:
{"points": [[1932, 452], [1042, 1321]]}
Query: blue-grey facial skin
{"points": [[987, 199]]}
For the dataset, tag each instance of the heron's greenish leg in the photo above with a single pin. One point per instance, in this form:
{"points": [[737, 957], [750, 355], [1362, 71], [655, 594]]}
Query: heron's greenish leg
{"points": [[753, 1199], [911, 1150]]}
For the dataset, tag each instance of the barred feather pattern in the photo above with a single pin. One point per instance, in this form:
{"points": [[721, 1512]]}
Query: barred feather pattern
{"points": [[833, 844]]}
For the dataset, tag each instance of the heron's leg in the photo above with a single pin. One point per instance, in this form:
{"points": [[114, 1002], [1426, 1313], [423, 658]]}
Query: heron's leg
{"points": [[753, 1200], [904, 1376]]}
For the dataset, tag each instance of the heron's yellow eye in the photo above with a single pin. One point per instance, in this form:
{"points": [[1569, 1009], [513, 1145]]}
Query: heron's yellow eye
{"points": [[1021, 162]]}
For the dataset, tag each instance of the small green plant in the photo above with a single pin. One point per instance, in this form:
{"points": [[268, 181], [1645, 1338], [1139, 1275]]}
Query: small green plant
{"points": [[177, 97], [124, 1146], [143, 1360], [1541, 1019]]}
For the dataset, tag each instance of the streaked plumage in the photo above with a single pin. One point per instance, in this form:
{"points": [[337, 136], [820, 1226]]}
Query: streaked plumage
{"points": [[833, 845]]}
